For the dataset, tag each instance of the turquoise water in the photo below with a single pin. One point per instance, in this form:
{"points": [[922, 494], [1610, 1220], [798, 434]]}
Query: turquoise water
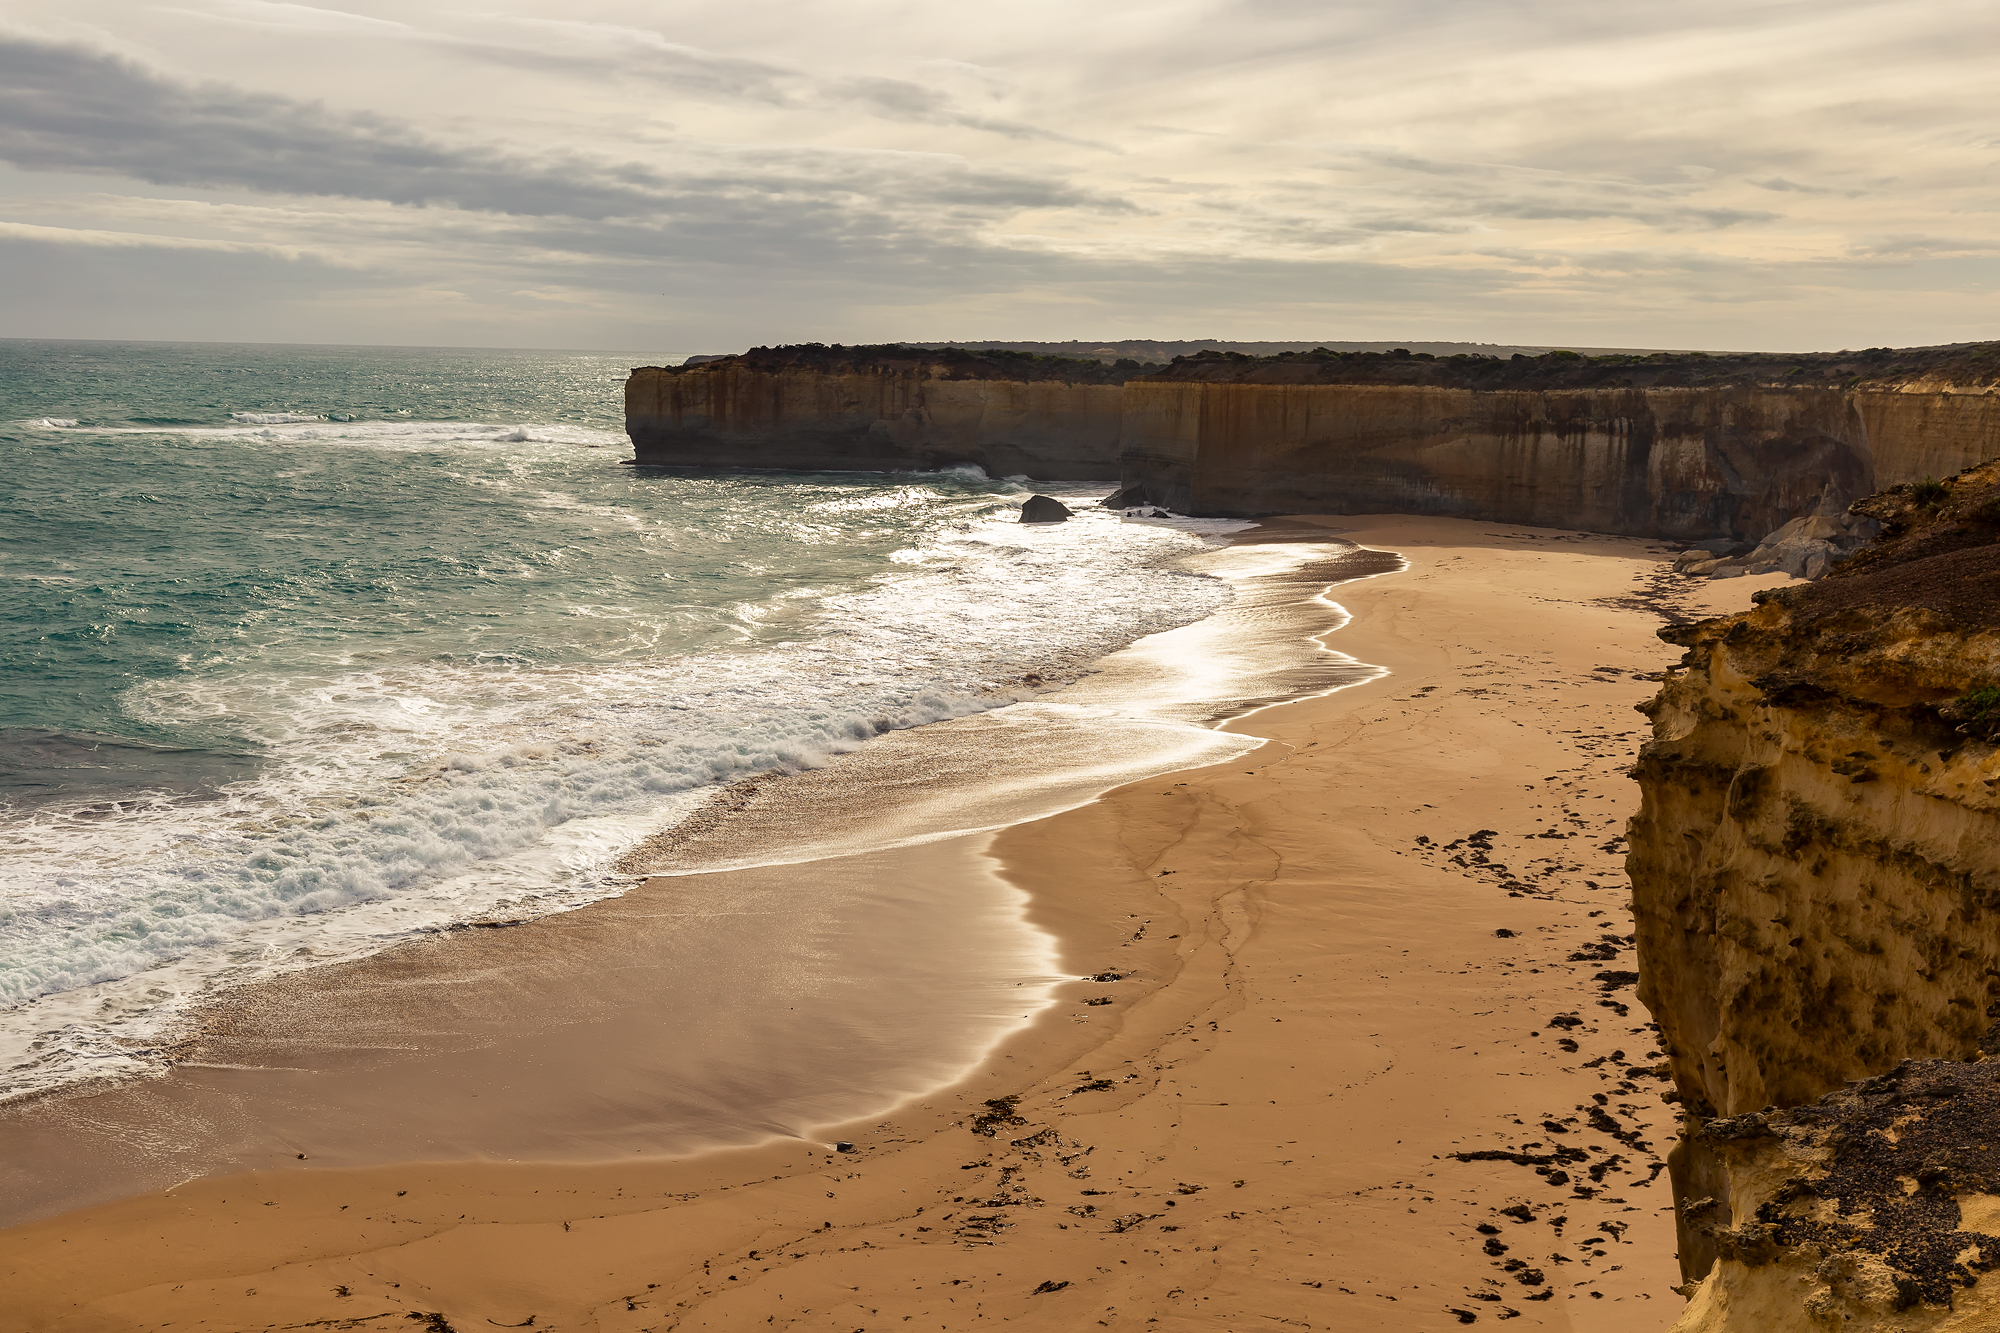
{"points": [[310, 648]]}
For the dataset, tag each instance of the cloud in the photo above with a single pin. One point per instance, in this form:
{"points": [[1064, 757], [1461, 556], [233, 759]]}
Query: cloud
{"points": [[1448, 166], [1919, 246], [128, 240], [1492, 190], [71, 109], [596, 50], [599, 50], [636, 53], [67, 108]]}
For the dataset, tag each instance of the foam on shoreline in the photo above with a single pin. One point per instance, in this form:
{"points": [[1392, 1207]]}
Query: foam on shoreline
{"points": [[387, 785], [819, 929]]}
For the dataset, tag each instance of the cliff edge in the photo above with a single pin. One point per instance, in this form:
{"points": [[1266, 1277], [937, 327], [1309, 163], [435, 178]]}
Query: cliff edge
{"points": [[1816, 881]]}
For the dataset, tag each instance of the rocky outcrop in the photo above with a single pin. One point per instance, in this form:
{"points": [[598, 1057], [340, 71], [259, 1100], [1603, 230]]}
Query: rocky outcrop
{"points": [[1877, 1207], [1816, 886], [877, 410], [1697, 448], [1044, 509], [1805, 548]]}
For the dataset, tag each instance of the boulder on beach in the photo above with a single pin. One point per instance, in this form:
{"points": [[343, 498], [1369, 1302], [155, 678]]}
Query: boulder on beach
{"points": [[1044, 509], [1804, 548], [1126, 497]]}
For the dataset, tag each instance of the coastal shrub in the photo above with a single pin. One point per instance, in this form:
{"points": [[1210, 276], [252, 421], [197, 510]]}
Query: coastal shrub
{"points": [[1930, 492], [1975, 713], [1565, 354]]}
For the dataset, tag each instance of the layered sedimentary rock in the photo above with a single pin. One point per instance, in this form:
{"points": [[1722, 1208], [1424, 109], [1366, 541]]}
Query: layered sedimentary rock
{"points": [[1688, 447], [1689, 463], [1691, 447], [1928, 426], [1877, 1207], [823, 409], [1816, 879]]}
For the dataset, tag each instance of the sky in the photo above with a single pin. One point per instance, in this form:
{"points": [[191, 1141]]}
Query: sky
{"points": [[1749, 174]]}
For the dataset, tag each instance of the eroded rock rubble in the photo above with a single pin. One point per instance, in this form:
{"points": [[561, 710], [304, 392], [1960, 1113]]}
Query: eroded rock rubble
{"points": [[1875, 1207], [1805, 548]]}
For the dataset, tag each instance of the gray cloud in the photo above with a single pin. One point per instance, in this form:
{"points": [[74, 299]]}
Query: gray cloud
{"points": [[1499, 190], [606, 50], [67, 108], [1906, 247], [900, 99]]}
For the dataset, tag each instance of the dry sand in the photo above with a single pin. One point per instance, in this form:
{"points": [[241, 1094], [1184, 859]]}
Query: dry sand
{"points": [[1317, 1008]]}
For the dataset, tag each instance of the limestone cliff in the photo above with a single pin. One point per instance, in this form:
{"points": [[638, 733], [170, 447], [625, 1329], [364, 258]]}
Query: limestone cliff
{"points": [[1676, 462], [1816, 881], [869, 409], [1686, 446], [1692, 447]]}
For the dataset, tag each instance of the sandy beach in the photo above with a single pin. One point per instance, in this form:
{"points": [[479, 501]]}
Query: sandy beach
{"points": [[1358, 1047]]}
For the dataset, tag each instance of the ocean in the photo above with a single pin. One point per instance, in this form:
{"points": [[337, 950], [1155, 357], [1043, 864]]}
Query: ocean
{"points": [[311, 650]]}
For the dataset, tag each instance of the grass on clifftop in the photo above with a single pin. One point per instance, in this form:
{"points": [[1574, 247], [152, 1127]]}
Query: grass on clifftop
{"points": [[1971, 364], [1966, 364], [943, 363]]}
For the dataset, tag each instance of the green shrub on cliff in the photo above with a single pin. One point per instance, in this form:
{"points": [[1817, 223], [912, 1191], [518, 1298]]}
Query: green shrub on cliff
{"points": [[1976, 713], [1930, 492]]}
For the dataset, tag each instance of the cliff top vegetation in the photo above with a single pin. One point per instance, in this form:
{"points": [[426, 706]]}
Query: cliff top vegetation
{"points": [[1971, 364], [952, 363], [1160, 350], [1961, 364]]}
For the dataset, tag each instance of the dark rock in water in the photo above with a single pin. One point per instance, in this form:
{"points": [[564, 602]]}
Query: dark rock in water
{"points": [[1126, 497], [1044, 509]]}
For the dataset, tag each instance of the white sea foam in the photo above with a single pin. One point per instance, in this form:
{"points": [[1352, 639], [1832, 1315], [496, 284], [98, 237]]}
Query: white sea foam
{"points": [[404, 796], [397, 433], [58, 423]]}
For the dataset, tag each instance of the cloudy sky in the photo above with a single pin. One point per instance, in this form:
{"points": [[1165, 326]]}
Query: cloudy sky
{"points": [[704, 176]]}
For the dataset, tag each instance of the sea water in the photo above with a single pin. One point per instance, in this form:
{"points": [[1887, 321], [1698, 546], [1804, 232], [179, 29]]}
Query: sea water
{"points": [[311, 649]]}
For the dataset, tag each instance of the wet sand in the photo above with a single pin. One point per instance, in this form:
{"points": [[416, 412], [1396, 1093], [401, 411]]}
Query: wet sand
{"points": [[809, 948], [1312, 1013]]}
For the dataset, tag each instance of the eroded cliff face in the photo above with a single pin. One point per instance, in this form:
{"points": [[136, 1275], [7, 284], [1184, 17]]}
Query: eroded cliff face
{"points": [[883, 415], [1730, 461], [1694, 448], [1875, 1208], [1927, 427], [1816, 880]]}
